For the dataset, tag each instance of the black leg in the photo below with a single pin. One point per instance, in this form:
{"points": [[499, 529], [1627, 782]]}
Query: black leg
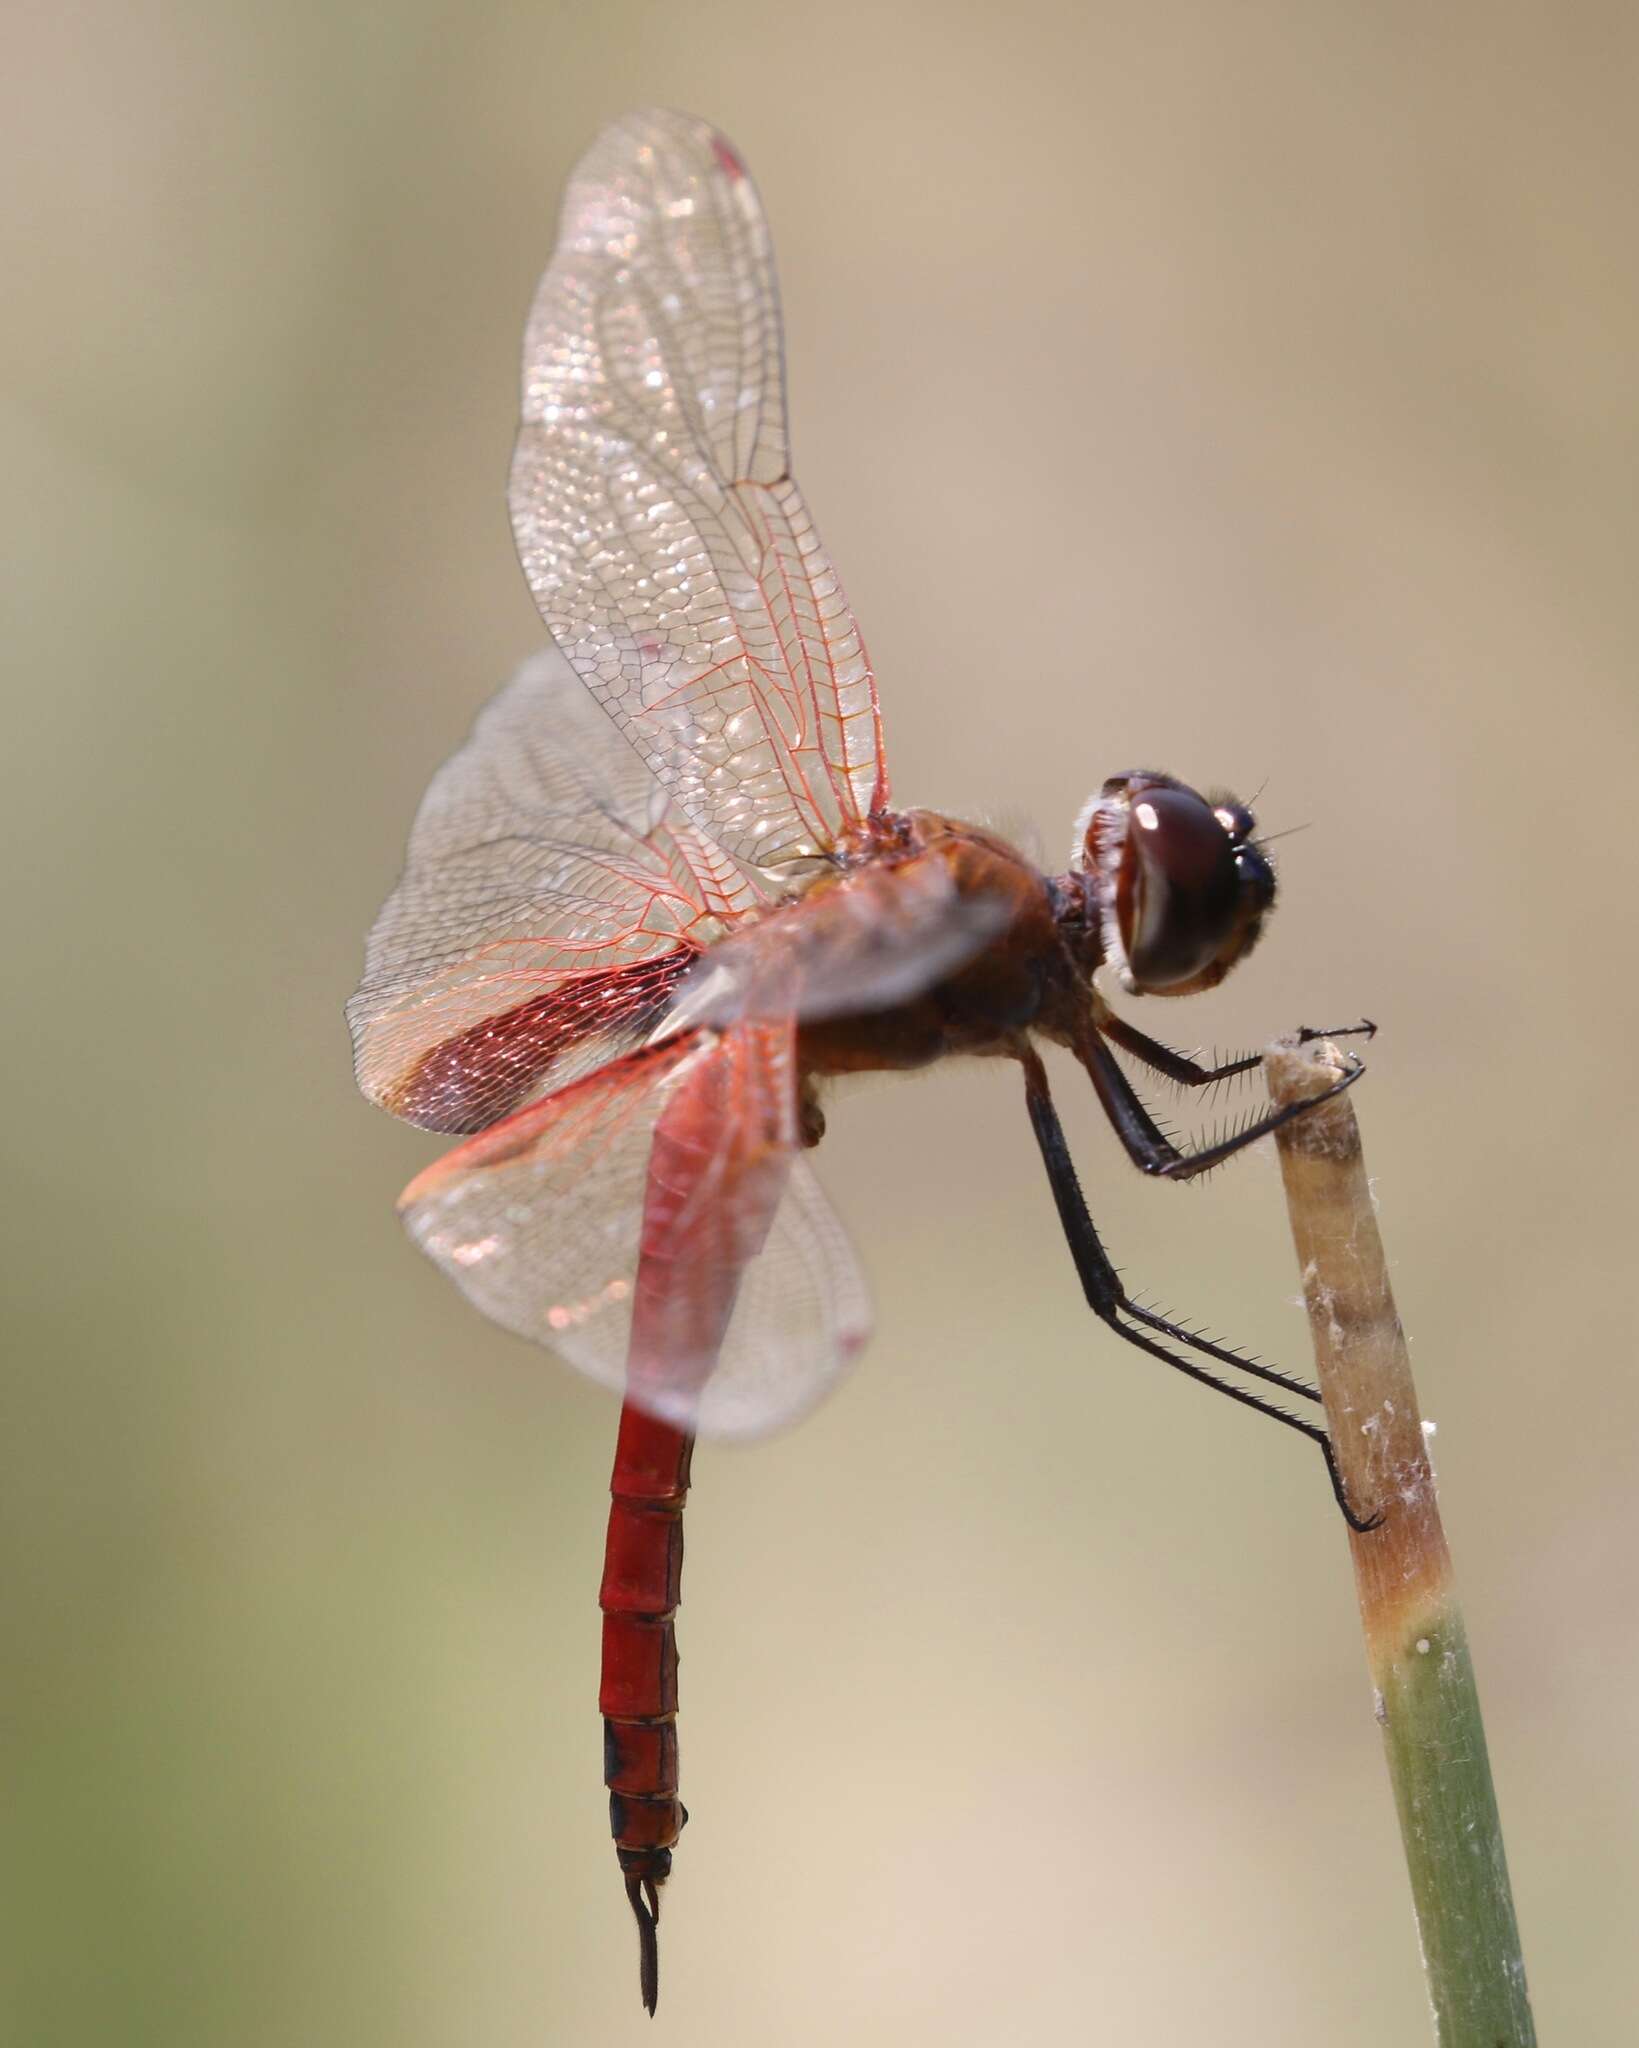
{"points": [[1108, 1299], [1147, 1146], [1190, 1073]]}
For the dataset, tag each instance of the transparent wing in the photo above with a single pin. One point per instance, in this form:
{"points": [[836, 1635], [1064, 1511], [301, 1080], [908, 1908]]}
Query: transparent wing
{"points": [[658, 524], [548, 906], [655, 1225], [876, 937]]}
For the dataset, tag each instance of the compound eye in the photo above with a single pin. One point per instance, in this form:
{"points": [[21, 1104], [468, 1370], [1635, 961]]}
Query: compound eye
{"points": [[1179, 893]]}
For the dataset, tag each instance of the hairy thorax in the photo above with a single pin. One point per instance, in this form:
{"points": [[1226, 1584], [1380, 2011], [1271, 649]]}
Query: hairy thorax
{"points": [[1014, 981]]}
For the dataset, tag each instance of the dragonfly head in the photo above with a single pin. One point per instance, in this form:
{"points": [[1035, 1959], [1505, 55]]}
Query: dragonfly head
{"points": [[1177, 882]]}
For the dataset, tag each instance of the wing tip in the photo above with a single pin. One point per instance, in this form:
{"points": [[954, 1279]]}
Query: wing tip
{"points": [[641, 127]]}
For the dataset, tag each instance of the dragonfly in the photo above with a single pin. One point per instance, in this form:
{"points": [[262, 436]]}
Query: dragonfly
{"points": [[662, 897]]}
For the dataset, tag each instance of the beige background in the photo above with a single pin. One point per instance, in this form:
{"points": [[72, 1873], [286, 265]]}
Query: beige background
{"points": [[1246, 389]]}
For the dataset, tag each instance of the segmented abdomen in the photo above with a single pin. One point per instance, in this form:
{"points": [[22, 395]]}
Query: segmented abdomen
{"points": [[642, 1574]]}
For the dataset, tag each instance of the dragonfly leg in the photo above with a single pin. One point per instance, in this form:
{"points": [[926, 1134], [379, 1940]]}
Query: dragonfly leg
{"points": [[1191, 1073], [810, 1116], [1148, 1146], [1108, 1300]]}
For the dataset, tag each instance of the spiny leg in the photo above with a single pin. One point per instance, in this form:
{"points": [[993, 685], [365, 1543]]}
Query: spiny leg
{"points": [[1147, 1145], [1108, 1299], [1189, 1072], [1100, 1281]]}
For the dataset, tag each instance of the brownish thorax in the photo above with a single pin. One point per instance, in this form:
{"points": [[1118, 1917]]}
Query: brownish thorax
{"points": [[1022, 978]]}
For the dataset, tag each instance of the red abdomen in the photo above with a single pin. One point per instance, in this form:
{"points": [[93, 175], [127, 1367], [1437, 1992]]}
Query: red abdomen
{"points": [[642, 1574], [718, 1165]]}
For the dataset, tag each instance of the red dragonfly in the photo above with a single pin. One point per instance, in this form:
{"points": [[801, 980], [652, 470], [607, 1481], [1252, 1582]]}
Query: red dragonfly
{"points": [[661, 895]]}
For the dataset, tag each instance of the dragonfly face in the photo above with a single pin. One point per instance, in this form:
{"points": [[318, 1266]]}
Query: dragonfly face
{"points": [[660, 894], [1180, 885]]}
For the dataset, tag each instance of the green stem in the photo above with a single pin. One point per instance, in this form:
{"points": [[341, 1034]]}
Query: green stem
{"points": [[1416, 1646], [1435, 1744]]}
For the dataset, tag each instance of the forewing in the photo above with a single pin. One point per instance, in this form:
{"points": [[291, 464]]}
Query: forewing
{"points": [[657, 521], [549, 903], [655, 1225]]}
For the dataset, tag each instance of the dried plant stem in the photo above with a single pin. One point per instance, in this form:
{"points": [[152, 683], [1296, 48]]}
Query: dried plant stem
{"points": [[1415, 1642]]}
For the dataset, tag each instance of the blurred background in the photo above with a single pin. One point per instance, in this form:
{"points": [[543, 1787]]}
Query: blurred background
{"points": [[1244, 390]]}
